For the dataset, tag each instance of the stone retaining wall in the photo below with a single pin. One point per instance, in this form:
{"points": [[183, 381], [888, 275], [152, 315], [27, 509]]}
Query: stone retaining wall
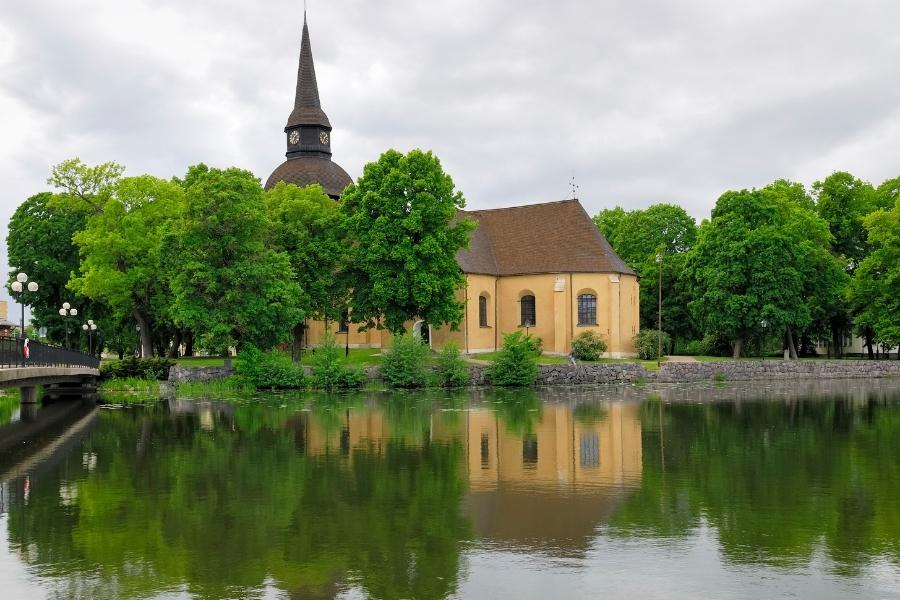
{"points": [[746, 370], [581, 374], [181, 374], [671, 372]]}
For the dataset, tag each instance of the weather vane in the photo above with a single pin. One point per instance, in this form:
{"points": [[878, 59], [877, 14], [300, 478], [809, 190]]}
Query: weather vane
{"points": [[574, 187]]}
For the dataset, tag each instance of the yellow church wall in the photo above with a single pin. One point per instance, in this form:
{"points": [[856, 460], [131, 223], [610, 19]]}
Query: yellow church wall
{"points": [[556, 311], [481, 339]]}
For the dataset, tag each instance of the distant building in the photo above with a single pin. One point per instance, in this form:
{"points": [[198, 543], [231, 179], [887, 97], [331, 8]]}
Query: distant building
{"points": [[7, 327], [544, 268]]}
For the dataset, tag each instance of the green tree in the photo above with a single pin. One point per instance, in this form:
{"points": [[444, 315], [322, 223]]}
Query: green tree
{"points": [[83, 188], [638, 236], [121, 249], [843, 201], [307, 225], [39, 243], [402, 216], [229, 288], [761, 264], [875, 290]]}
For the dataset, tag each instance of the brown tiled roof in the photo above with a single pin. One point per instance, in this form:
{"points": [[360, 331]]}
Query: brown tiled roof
{"points": [[307, 109], [555, 237], [308, 169]]}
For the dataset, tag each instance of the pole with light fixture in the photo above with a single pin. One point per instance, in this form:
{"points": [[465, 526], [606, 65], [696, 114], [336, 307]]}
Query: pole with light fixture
{"points": [[90, 327], [18, 286], [65, 312]]}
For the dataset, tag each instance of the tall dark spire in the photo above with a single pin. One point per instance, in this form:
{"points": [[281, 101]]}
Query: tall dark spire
{"points": [[308, 134], [307, 109]]}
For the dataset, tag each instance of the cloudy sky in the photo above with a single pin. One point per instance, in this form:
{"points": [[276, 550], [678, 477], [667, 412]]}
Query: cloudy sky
{"points": [[642, 101]]}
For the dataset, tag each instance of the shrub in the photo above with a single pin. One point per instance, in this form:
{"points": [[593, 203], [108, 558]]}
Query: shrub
{"points": [[713, 344], [692, 348], [329, 370], [516, 362], [588, 345], [139, 368], [646, 343], [452, 370], [404, 363], [268, 370]]}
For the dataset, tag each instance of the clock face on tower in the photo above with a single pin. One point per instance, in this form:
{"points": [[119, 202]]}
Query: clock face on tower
{"points": [[323, 137], [294, 138]]}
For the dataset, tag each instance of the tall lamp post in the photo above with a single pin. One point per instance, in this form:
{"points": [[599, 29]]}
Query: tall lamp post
{"points": [[90, 327], [659, 259], [65, 312], [18, 286]]}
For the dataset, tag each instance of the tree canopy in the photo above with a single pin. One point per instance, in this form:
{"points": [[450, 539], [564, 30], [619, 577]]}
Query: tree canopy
{"points": [[120, 251], [758, 264], [229, 287], [876, 287], [638, 236], [403, 218]]}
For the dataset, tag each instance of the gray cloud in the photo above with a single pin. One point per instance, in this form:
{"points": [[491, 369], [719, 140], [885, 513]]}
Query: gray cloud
{"points": [[643, 101]]}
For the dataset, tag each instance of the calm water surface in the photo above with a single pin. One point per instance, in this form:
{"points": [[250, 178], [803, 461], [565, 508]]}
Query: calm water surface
{"points": [[756, 491]]}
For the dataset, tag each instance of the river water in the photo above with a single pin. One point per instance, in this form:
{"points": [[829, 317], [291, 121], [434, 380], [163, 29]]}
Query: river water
{"points": [[702, 491]]}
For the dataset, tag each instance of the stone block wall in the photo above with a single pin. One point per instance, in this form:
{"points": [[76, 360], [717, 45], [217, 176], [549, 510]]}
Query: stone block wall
{"points": [[181, 374], [747, 370]]}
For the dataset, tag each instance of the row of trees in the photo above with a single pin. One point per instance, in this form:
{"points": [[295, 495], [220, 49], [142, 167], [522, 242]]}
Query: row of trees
{"points": [[214, 260], [779, 262]]}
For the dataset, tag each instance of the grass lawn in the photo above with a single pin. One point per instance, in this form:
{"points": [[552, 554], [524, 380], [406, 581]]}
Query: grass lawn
{"points": [[545, 359], [358, 356], [200, 361]]}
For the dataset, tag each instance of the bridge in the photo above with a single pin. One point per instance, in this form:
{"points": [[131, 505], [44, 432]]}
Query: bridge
{"points": [[62, 372]]}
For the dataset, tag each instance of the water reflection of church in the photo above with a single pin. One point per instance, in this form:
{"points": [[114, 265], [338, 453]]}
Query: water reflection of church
{"points": [[543, 484]]}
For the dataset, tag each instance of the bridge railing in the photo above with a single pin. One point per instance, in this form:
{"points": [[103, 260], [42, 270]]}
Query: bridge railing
{"points": [[12, 354]]}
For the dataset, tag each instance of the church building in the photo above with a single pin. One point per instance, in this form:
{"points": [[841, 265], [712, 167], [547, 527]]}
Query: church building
{"points": [[542, 268]]}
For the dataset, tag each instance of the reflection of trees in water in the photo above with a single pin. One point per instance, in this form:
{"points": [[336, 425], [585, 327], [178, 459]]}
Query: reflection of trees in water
{"points": [[9, 404], [519, 409], [776, 480], [221, 510]]}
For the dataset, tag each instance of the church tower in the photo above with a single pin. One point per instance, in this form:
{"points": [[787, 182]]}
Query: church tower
{"points": [[308, 134]]}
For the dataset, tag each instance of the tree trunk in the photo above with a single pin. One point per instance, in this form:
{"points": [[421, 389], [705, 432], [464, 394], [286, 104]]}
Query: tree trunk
{"points": [[297, 343], [792, 349], [188, 343], [176, 343], [737, 348], [146, 334], [836, 340], [869, 345]]}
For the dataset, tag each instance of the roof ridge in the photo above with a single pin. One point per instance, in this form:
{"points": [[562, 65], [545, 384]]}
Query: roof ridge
{"points": [[480, 210]]}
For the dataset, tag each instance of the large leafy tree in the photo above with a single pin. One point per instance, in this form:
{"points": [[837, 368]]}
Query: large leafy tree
{"points": [[84, 188], [39, 243], [638, 236], [307, 225], [402, 216], [843, 201], [875, 290], [120, 249], [760, 265], [229, 288]]}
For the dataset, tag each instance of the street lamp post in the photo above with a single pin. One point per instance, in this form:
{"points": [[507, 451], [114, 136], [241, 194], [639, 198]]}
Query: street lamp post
{"points": [[90, 327], [65, 312], [18, 286], [140, 349], [659, 259]]}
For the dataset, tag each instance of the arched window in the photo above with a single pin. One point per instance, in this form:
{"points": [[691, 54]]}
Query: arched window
{"points": [[483, 311], [587, 309], [529, 316]]}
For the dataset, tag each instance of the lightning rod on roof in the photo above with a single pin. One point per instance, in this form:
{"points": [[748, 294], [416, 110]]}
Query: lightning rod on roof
{"points": [[574, 187]]}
